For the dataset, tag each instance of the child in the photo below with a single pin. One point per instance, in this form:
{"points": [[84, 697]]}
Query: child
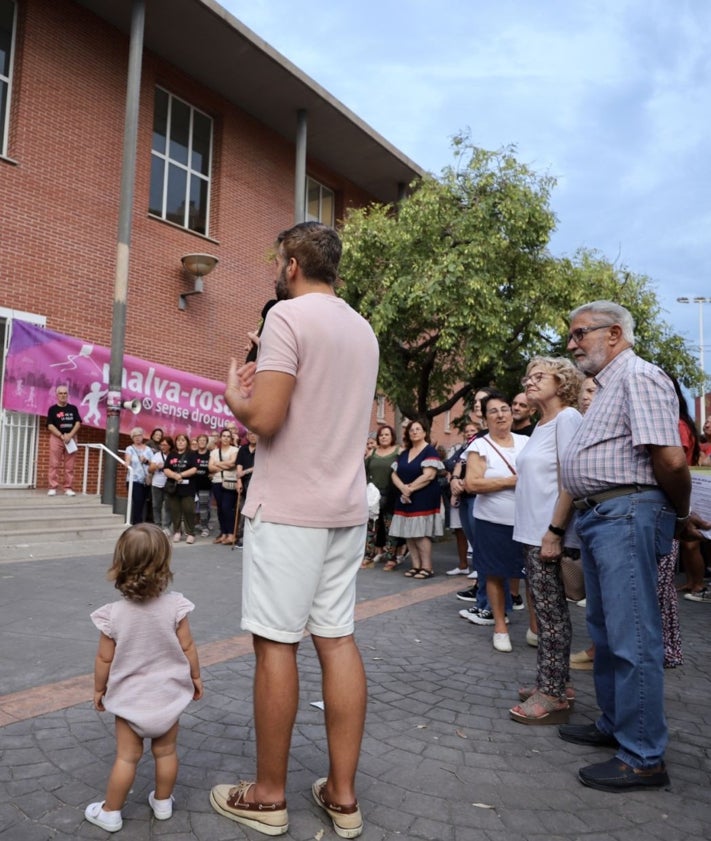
{"points": [[146, 670]]}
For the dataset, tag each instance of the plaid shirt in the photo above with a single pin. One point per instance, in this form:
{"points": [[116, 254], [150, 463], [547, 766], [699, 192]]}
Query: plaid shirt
{"points": [[635, 406]]}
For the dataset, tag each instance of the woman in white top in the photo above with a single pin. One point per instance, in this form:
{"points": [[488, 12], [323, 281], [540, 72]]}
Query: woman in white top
{"points": [[222, 464], [543, 524], [161, 510], [491, 475], [137, 458]]}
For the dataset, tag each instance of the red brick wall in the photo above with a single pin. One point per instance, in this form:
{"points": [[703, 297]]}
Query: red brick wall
{"points": [[59, 195]]}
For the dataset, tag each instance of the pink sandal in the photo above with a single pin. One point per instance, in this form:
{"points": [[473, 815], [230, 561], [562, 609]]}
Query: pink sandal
{"points": [[540, 709]]}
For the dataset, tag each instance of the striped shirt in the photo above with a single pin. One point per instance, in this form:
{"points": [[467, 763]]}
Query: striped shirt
{"points": [[635, 407]]}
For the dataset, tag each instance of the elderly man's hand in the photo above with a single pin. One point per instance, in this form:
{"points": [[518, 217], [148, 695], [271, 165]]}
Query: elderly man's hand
{"points": [[689, 529]]}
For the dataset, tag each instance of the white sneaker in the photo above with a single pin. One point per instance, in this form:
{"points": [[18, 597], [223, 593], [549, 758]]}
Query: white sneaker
{"points": [[176, 537], [204, 533], [162, 809], [502, 642], [457, 571], [110, 821], [582, 603], [531, 638], [69, 492], [51, 492], [473, 575]]}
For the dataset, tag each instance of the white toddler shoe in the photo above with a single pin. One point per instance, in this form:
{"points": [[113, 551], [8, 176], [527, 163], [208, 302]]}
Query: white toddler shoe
{"points": [[162, 809], [110, 821]]}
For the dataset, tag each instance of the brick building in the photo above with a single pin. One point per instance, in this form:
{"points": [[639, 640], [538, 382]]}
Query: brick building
{"points": [[233, 144]]}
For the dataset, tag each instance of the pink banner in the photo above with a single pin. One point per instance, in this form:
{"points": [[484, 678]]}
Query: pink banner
{"points": [[39, 360]]}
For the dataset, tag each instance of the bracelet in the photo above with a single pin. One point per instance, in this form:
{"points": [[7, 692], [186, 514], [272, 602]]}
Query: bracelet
{"points": [[558, 532], [682, 519]]}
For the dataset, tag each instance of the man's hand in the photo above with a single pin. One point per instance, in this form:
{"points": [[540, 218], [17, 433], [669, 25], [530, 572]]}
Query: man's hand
{"points": [[689, 529], [240, 378]]}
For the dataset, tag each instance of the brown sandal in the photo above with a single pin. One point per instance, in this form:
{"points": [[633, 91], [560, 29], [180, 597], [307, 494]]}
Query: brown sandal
{"points": [[540, 709], [412, 572], [525, 692], [389, 566]]}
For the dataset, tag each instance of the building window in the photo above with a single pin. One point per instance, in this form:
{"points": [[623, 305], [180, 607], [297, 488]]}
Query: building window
{"points": [[180, 163], [7, 42], [380, 412], [320, 203], [448, 421]]}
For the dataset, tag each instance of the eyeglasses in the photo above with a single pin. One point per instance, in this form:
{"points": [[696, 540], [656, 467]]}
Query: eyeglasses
{"points": [[504, 410], [534, 378], [580, 333]]}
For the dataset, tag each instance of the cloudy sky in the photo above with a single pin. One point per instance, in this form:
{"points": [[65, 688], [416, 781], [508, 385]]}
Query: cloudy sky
{"points": [[612, 97]]}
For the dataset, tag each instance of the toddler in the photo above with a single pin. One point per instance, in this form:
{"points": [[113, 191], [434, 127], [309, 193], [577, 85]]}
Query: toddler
{"points": [[146, 670]]}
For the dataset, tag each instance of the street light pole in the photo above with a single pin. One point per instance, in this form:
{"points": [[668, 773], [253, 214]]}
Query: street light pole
{"points": [[700, 300]]}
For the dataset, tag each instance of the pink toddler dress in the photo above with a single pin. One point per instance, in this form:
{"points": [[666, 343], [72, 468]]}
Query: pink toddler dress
{"points": [[149, 681]]}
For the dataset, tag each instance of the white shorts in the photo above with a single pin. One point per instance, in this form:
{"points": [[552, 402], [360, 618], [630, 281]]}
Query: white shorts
{"points": [[296, 579]]}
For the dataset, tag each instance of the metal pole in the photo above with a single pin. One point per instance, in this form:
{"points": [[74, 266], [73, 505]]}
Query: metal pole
{"points": [[128, 177], [702, 408], [300, 168]]}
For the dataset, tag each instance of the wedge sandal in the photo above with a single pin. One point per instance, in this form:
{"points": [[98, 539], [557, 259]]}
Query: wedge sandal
{"points": [[540, 709]]}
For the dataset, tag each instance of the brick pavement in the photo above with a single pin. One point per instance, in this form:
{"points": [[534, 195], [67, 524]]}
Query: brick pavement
{"points": [[441, 759]]}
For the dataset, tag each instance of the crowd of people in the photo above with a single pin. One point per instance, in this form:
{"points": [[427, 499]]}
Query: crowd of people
{"points": [[185, 484], [602, 473], [513, 517]]}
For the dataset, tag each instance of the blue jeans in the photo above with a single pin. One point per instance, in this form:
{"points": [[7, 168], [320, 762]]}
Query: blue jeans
{"points": [[466, 516], [622, 541]]}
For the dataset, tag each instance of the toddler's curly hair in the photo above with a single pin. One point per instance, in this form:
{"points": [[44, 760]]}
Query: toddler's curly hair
{"points": [[141, 566]]}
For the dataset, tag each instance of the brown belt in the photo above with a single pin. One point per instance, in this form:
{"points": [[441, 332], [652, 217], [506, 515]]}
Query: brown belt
{"points": [[585, 502]]}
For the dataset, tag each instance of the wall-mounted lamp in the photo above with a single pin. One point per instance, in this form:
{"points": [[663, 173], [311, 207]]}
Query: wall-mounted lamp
{"points": [[197, 265]]}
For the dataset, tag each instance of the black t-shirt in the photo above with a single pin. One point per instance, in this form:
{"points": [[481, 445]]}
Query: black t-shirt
{"points": [[63, 417], [525, 430], [246, 460], [178, 462], [202, 477]]}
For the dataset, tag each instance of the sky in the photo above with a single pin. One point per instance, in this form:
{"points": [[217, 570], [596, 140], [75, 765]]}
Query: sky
{"points": [[610, 97]]}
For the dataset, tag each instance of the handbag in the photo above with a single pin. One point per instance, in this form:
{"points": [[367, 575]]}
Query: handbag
{"points": [[571, 571]]}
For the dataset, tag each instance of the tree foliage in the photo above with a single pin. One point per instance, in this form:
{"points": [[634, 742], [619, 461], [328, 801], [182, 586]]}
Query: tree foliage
{"points": [[461, 288]]}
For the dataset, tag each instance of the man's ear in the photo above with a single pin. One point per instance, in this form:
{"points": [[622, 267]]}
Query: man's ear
{"points": [[615, 334]]}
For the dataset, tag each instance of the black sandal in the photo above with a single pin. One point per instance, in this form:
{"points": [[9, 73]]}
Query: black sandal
{"points": [[423, 574], [412, 573]]}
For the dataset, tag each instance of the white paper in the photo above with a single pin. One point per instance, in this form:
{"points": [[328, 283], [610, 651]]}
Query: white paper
{"points": [[70, 446], [701, 495]]}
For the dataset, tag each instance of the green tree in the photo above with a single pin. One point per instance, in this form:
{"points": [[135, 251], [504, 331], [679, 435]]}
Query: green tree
{"points": [[461, 289]]}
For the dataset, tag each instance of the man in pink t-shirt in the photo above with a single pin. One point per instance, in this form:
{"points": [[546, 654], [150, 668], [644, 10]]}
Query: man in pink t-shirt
{"points": [[305, 524]]}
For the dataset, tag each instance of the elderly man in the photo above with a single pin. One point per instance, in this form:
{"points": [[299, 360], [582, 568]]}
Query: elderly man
{"points": [[627, 473]]}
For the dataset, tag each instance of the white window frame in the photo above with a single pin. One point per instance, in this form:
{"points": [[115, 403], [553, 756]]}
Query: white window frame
{"points": [[168, 162], [448, 421], [310, 183], [380, 411], [7, 80]]}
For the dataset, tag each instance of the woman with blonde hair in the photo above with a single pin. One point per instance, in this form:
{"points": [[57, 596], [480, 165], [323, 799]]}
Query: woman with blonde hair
{"points": [[543, 524]]}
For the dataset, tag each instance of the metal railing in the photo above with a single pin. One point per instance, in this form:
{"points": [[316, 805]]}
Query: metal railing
{"points": [[101, 449]]}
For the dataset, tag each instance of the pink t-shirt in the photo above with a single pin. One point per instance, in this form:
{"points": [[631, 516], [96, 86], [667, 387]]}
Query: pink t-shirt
{"points": [[311, 472]]}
